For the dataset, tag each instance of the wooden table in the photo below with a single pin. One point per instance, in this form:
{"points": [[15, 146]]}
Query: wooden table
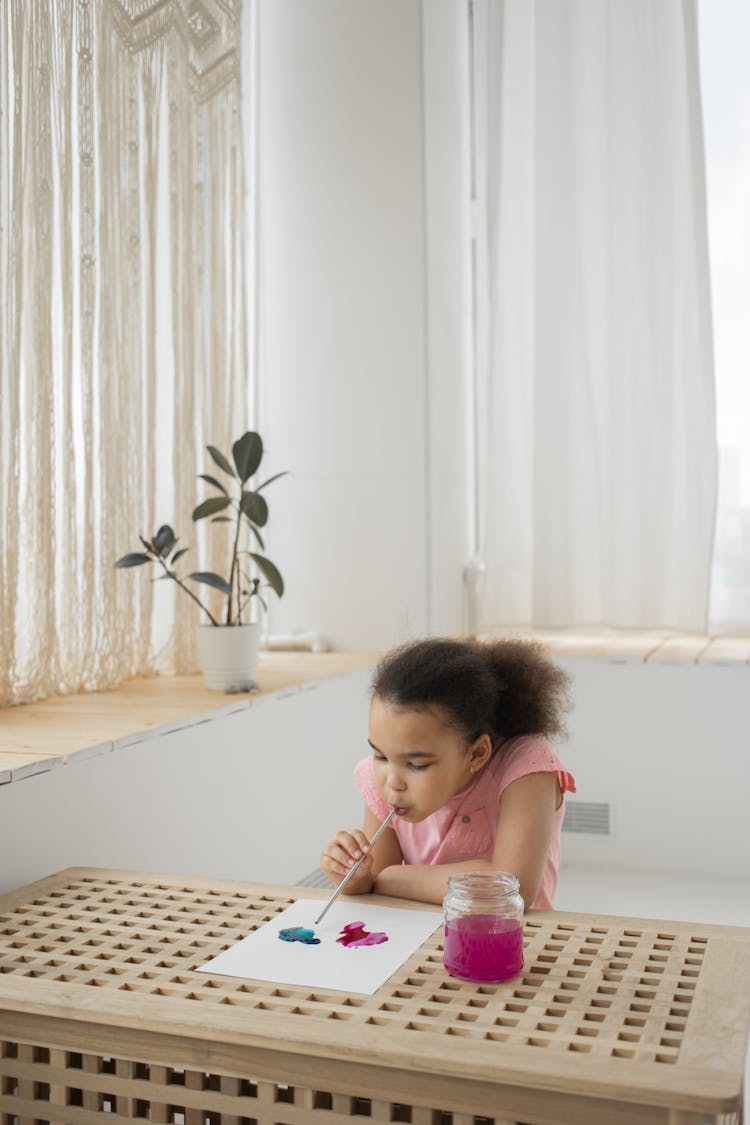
{"points": [[614, 1021]]}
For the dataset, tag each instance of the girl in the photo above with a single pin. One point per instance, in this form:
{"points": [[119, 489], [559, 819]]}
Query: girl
{"points": [[459, 748]]}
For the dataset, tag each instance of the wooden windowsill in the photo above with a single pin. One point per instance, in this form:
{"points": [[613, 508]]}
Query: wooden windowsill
{"points": [[37, 737], [625, 646]]}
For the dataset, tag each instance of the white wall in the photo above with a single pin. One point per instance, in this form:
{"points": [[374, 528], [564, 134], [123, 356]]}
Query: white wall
{"points": [[371, 532], [666, 745], [256, 794], [253, 795]]}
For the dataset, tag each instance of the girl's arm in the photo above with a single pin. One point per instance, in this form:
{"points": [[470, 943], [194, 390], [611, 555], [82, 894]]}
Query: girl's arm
{"points": [[348, 845], [524, 831]]}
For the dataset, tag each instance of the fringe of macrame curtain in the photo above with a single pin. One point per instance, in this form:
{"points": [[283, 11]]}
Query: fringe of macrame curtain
{"points": [[122, 324]]}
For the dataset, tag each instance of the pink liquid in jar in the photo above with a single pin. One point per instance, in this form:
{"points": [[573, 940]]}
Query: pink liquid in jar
{"points": [[483, 947]]}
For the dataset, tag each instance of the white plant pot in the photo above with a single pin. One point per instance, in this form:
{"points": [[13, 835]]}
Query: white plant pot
{"points": [[229, 656]]}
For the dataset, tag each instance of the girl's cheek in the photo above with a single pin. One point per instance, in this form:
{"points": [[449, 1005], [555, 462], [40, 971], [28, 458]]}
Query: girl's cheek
{"points": [[378, 778]]}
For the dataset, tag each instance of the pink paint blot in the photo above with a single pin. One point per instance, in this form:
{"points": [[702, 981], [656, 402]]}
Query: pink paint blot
{"points": [[355, 934]]}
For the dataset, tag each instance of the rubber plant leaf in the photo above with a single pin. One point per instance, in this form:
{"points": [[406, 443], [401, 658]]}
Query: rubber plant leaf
{"points": [[248, 453], [254, 507], [212, 480], [220, 459], [257, 535], [164, 540], [133, 559], [270, 573], [270, 480], [210, 507], [208, 578]]}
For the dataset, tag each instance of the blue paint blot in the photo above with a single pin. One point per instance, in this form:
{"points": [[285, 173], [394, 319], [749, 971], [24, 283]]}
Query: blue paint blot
{"points": [[299, 933]]}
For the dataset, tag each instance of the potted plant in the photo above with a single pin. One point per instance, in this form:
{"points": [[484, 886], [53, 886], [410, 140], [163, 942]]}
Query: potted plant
{"points": [[229, 643]]}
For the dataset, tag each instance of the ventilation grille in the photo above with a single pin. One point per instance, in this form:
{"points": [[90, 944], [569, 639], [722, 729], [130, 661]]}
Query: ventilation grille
{"points": [[316, 878], [589, 818]]}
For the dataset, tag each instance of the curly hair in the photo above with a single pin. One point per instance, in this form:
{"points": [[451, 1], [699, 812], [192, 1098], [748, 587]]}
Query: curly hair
{"points": [[503, 687]]}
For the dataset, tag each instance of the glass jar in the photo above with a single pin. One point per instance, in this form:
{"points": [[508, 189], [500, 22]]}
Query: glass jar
{"points": [[483, 913]]}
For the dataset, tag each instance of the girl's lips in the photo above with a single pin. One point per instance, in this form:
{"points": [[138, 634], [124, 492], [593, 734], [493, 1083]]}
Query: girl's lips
{"points": [[400, 811]]}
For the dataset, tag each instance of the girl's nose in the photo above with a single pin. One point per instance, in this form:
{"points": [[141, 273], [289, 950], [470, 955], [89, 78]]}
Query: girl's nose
{"points": [[396, 783]]}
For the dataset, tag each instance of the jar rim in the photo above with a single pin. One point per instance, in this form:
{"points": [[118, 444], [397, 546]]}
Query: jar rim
{"points": [[483, 883]]}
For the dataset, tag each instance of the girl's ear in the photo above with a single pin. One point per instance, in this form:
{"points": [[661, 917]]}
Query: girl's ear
{"points": [[480, 753]]}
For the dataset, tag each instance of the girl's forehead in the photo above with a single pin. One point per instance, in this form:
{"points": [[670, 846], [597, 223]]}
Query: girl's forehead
{"points": [[426, 722]]}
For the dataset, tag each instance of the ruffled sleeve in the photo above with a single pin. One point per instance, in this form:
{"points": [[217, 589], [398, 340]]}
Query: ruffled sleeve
{"points": [[533, 754], [366, 783], [566, 781]]}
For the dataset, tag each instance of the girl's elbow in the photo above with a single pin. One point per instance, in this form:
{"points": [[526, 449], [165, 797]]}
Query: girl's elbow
{"points": [[529, 889]]}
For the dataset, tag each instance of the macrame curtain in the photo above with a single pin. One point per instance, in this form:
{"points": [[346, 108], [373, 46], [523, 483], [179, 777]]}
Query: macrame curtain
{"points": [[122, 322], [597, 436]]}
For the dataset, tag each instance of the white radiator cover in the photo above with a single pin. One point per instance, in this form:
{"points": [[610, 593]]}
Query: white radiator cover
{"points": [[667, 748], [587, 818]]}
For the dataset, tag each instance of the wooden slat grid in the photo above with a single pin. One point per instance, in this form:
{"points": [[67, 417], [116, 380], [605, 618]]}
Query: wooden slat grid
{"points": [[595, 993], [58, 1085]]}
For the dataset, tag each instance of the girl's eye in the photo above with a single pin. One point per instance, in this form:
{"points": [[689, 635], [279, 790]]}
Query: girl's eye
{"points": [[418, 769], [378, 758]]}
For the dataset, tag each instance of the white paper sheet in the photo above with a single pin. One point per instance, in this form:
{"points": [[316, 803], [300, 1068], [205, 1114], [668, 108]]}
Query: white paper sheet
{"points": [[262, 955]]}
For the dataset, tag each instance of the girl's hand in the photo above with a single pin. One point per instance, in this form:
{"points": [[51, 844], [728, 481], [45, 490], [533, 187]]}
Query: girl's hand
{"points": [[341, 853]]}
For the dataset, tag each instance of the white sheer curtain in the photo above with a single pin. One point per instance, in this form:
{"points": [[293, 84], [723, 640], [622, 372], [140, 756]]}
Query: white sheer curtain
{"points": [[725, 87], [122, 321], [597, 436]]}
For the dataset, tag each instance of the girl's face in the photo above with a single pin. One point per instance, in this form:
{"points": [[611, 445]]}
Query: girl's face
{"points": [[419, 761]]}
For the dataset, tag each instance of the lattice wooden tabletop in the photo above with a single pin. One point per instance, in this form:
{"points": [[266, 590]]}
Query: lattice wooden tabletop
{"points": [[639, 1016]]}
